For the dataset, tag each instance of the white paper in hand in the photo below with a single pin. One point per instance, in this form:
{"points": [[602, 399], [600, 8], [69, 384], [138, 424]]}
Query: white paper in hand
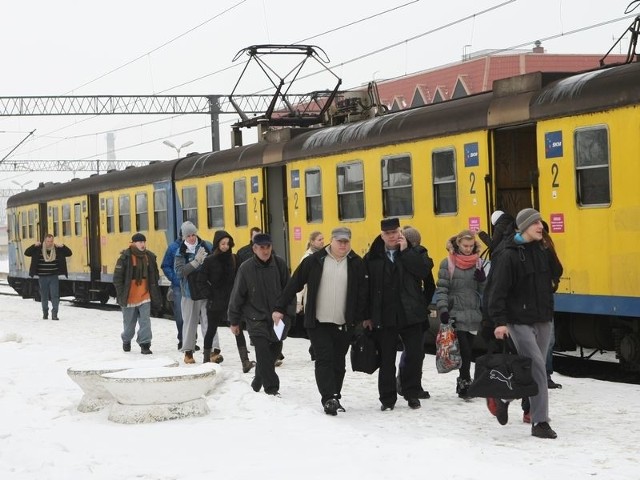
{"points": [[279, 329]]}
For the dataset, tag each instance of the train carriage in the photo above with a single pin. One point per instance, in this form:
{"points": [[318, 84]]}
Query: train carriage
{"points": [[565, 144]]}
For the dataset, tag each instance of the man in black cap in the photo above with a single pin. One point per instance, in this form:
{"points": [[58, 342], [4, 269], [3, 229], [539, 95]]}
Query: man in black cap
{"points": [[136, 278], [398, 307], [259, 282], [336, 302]]}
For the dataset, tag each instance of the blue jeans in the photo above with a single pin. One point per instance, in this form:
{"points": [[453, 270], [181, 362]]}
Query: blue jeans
{"points": [[49, 290], [140, 314], [177, 310]]}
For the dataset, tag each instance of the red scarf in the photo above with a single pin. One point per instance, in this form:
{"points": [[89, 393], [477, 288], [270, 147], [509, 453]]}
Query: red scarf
{"points": [[463, 262]]}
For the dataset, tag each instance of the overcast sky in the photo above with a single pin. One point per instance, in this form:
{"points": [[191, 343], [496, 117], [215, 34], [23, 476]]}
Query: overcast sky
{"points": [[162, 47]]}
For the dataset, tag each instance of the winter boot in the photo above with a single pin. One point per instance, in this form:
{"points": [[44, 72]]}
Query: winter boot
{"points": [[188, 357], [126, 346], [247, 364], [462, 387], [145, 349], [216, 356], [206, 355]]}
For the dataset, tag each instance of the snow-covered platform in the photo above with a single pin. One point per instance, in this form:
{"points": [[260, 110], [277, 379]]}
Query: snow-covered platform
{"points": [[89, 379], [145, 395]]}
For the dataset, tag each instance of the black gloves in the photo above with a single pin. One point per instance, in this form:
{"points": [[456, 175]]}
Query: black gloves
{"points": [[444, 317], [479, 275]]}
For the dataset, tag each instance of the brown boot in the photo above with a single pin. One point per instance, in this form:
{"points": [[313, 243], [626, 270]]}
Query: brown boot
{"points": [[188, 357], [247, 364], [216, 356]]}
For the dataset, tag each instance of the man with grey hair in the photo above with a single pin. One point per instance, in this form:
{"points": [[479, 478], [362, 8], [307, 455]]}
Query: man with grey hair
{"points": [[336, 302]]}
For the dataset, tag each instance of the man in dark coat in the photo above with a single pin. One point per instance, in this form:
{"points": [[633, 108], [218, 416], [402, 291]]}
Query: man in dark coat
{"points": [[136, 278], [336, 301], [48, 262], [246, 252], [397, 307], [259, 282], [520, 303]]}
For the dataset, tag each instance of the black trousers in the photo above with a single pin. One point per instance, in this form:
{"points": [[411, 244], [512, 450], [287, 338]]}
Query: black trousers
{"points": [[465, 341], [214, 318], [266, 354], [411, 373], [330, 343]]}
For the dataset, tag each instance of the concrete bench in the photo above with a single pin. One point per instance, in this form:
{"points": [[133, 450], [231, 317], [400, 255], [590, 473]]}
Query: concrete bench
{"points": [[89, 379], [145, 395]]}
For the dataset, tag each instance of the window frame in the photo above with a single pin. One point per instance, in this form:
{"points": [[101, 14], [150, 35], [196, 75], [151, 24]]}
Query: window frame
{"points": [[213, 208], [160, 215], [388, 190], [353, 193], [66, 219], [240, 209], [142, 216], [124, 214], [311, 200], [190, 210], [439, 184], [584, 185]]}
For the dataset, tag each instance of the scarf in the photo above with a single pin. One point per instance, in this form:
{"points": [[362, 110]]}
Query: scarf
{"points": [[463, 262], [140, 263], [191, 248], [49, 255]]}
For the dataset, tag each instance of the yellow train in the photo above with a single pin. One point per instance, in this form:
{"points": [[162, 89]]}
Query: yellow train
{"points": [[565, 144]]}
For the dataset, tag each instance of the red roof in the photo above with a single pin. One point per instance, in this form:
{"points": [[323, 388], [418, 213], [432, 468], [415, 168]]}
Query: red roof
{"points": [[478, 74]]}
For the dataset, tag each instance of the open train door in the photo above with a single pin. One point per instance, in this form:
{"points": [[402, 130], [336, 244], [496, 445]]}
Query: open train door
{"points": [[93, 239], [276, 217], [514, 169]]}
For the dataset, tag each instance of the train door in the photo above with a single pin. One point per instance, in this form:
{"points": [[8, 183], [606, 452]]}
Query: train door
{"points": [[93, 237], [276, 219], [43, 223], [515, 169]]}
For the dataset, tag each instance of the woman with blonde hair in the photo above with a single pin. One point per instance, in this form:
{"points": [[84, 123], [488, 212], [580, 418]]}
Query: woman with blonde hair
{"points": [[458, 297]]}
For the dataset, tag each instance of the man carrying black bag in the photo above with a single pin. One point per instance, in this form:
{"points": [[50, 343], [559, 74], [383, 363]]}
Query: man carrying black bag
{"points": [[520, 302]]}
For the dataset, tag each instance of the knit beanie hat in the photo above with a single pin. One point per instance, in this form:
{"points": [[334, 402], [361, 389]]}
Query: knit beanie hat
{"points": [[187, 229], [495, 216], [526, 218], [412, 235]]}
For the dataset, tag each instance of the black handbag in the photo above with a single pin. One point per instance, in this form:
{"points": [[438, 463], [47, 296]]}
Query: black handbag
{"points": [[503, 375], [365, 356]]}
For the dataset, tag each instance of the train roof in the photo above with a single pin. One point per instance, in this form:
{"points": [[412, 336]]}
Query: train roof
{"points": [[517, 100], [129, 177]]}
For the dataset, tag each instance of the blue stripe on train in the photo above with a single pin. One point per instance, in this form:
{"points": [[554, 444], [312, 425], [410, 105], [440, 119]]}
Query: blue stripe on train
{"points": [[598, 304]]}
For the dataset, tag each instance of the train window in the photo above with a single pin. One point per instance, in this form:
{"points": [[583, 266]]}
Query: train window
{"points": [[111, 226], [66, 220], [23, 222], [77, 219], [444, 181], [124, 213], [32, 222], [313, 193], [215, 206], [55, 220], [397, 186], [142, 212], [592, 166], [240, 202], [160, 209], [190, 205], [350, 191]]}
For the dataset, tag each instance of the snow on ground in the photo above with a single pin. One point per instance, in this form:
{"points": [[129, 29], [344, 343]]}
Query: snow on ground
{"points": [[251, 435]]}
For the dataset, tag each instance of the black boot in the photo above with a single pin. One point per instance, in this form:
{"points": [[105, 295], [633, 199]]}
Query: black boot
{"points": [[145, 349], [206, 355]]}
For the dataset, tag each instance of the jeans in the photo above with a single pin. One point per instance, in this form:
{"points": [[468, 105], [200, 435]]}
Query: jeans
{"points": [[49, 290], [142, 315]]}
